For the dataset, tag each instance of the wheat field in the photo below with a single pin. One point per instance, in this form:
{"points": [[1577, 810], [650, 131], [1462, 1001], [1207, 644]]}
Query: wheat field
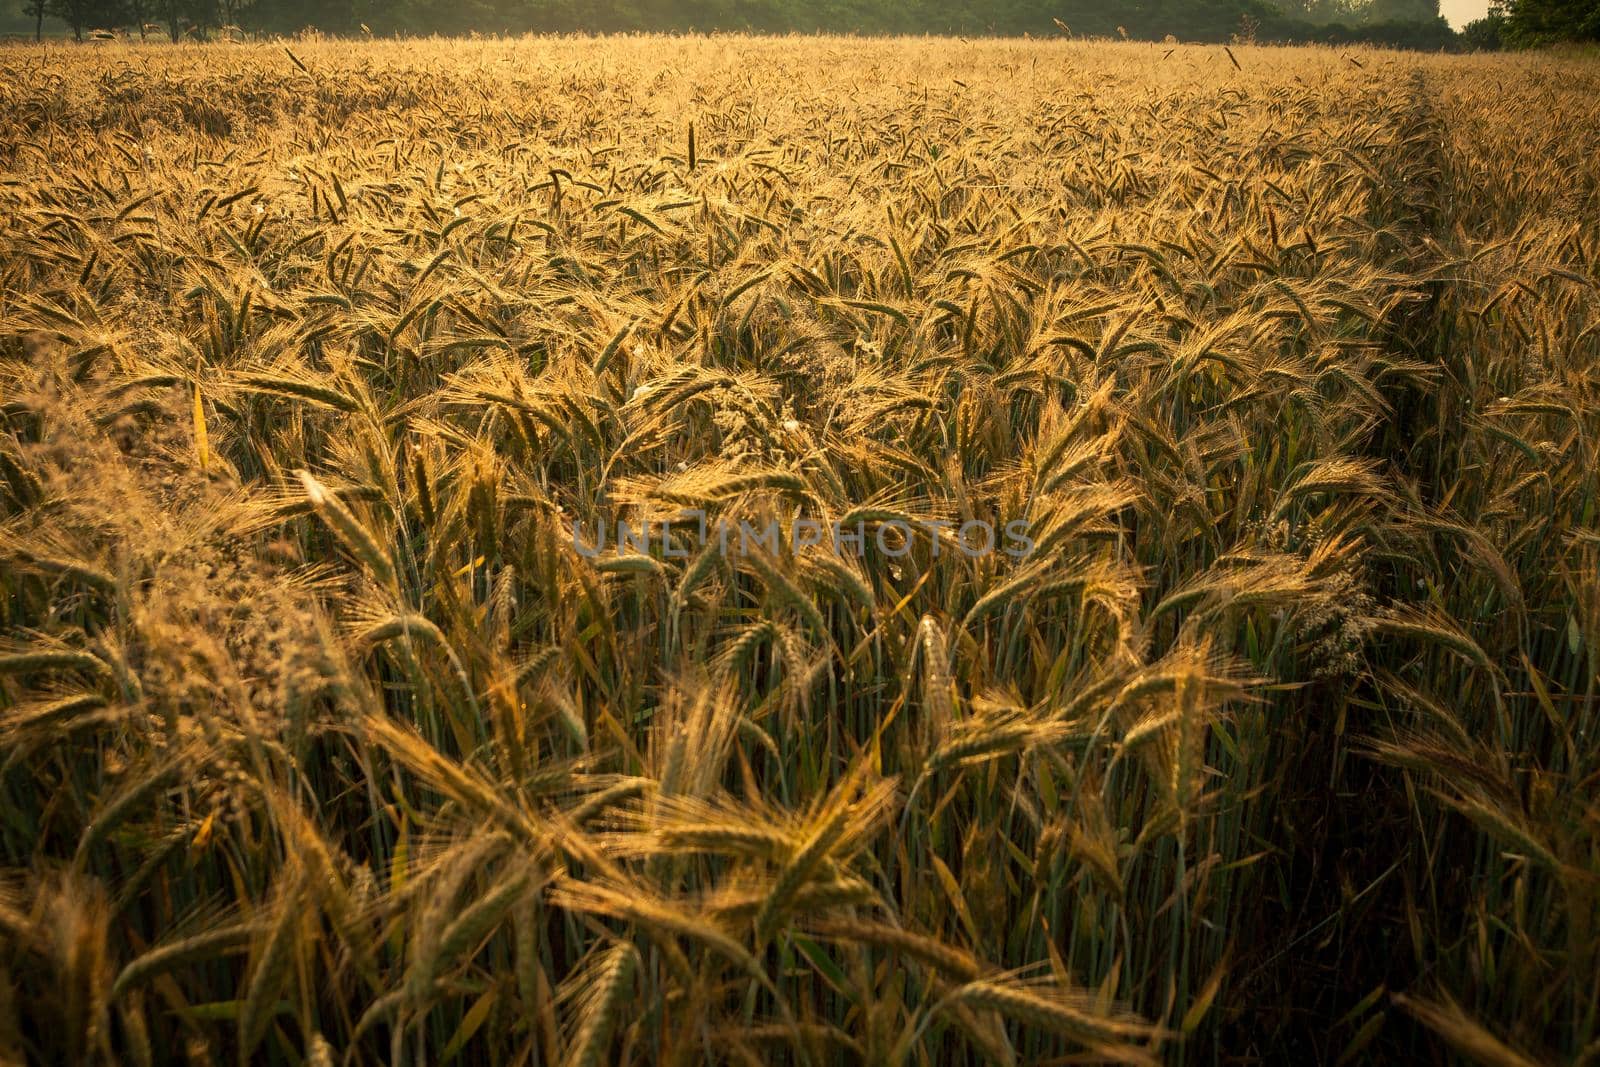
{"points": [[326, 739]]}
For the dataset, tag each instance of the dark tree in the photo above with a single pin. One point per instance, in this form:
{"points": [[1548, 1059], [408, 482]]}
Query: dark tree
{"points": [[1541, 22], [1487, 34], [35, 10], [140, 11], [185, 16], [1398, 23], [82, 15], [1402, 10]]}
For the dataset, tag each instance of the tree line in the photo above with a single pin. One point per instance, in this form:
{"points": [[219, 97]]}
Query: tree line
{"points": [[1533, 23], [1398, 23]]}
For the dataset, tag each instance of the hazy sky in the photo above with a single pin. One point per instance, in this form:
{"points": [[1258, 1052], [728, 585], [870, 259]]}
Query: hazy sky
{"points": [[1461, 12]]}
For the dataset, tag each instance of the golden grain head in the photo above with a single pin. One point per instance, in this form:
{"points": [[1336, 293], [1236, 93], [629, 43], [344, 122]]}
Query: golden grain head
{"points": [[816, 550]]}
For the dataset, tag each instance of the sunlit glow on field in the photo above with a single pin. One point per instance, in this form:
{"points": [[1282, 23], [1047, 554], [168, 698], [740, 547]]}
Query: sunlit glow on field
{"points": [[324, 740]]}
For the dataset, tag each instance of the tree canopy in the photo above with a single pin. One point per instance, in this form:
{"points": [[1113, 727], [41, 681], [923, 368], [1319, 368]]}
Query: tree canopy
{"points": [[1533, 23], [1404, 23]]}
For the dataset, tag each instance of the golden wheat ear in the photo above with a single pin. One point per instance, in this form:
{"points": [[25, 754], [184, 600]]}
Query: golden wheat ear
{"points": [[598, 993], [1284, 360], [1462, 1032]]}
